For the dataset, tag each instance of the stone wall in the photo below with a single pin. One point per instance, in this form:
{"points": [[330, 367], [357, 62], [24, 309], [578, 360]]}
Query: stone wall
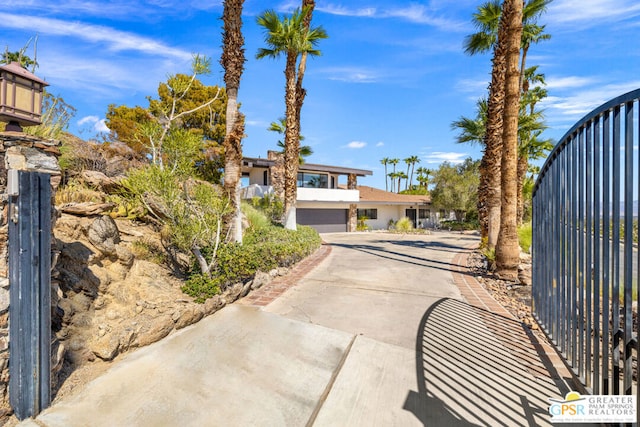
{"points": [[21, 152]]}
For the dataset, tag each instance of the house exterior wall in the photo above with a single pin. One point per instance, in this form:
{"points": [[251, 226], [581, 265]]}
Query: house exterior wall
{"points": [[256, 176], [388, 213]]}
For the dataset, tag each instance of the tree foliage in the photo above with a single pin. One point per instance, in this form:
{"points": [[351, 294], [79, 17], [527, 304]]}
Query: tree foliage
{"points": [[455, 187], [183, 104]]}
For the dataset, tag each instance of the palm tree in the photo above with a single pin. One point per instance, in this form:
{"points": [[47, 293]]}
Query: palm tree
{"points": [[472, 131], [233, 62], [289, 36], [507, 246], [411, 162], [301, 93], [279, 127], [487, 20], [392, 178], [385, 162], [401, 176], [394, 162], [408, 162]]}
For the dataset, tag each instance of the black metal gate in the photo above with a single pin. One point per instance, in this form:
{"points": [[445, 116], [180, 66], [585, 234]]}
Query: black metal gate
{"points": [[29, 219]]}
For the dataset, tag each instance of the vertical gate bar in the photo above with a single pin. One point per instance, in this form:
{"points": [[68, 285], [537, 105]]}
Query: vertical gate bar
{"points": [[562, 333], [628, 247], [574, 253], [551, 194], [615, 291], [606, 255], [559, 227], [596, 255], [581, 252], [589, 259], [637, 273], [555, 261]]}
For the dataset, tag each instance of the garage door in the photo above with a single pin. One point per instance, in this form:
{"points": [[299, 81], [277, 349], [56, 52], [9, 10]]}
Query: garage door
{"points": [[324, 220]]}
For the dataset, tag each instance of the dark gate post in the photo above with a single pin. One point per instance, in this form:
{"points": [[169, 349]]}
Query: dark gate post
{"points": [[29, 220]]}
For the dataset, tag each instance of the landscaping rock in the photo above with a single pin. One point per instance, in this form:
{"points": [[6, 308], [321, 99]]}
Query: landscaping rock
{"points": [[104, 235]]}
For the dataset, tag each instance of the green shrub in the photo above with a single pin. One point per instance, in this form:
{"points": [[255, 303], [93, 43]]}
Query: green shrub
{"points": [[362, 224], [460, 225], [404, 225], [263, 248], [149, 251], [272, 207], [525, 236], [201, 287], [490, 257], [256, 217]]}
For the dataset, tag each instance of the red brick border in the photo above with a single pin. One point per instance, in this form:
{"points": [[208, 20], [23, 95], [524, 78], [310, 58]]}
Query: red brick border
{"points": [[522, 342]]}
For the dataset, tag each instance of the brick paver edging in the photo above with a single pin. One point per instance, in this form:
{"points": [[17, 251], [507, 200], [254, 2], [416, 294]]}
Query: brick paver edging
{"points": [[266, 294], [519, 340]]}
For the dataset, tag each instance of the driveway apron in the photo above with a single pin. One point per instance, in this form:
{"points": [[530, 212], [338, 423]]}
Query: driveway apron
{"points": [[376, 334]]}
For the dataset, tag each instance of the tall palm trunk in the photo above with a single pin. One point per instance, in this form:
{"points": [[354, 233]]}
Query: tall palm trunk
{"points": [[507, 247], [523, 165], [291, 144], [233, 62], [489, 192]]}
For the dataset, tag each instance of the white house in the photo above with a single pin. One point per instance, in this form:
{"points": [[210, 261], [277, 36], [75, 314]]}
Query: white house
{"points": [[382, 207], [329, 205]]}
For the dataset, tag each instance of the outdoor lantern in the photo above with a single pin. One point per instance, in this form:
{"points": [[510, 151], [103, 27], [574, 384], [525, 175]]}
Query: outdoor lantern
{"points": [[21, 95]]}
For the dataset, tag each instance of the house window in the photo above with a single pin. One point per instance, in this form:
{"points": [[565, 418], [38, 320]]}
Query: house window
{"points": [[313, 180], [369, 213], [424, 214], [265, 178]]}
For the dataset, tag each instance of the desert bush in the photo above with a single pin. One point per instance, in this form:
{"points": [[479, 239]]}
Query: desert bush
{"points": [[453, 225], [263, 249], [77, 192], [525, 236], [148, 250], [404, 225], [272, 207]]}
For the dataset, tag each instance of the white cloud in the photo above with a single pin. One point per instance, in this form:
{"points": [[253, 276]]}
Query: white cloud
{"points": [[574, 105], [380, 144], [87, 119], [344, 11], [351, 74], [439, 157], [592, 11], [569, 82], [95, 123], [115, 40], [415, 13], [356, 144]]}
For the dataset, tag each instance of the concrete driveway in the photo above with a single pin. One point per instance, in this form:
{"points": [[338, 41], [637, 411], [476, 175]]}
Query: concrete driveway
{"points": [[378, 285], [375, 335]]}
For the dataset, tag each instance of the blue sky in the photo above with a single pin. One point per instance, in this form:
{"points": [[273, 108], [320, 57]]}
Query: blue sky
{"points": [[392, 77]]}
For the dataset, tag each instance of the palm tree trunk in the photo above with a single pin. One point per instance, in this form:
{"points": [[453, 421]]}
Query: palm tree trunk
{"points": [[386, 179], [523, 165], [294, 99], [233, 62], [232, 175], [291, 145], [489, 192], [507, 247]]}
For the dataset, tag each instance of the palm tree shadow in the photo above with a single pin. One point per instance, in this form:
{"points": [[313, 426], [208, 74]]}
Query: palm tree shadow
{"points": [[468, 374]]}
